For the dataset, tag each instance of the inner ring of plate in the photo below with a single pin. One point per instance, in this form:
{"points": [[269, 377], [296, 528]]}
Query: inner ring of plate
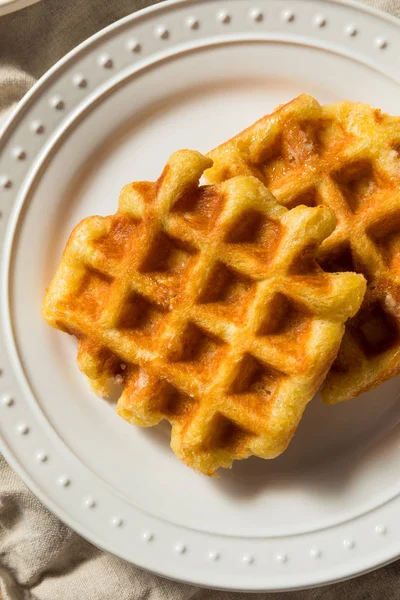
{"points": [[239, 479]]}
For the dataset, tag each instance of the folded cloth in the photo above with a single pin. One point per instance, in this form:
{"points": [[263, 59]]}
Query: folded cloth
{"points": [[40, 557]]}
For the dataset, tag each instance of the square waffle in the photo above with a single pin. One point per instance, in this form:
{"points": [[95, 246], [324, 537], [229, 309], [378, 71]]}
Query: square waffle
{"points": [[207, 304], [345, 157]]}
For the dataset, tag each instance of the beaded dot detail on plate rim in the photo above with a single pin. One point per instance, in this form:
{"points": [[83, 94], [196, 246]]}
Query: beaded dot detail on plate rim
{"points": [[256, 15], [192, 23], [63, 481], [281, 557], [351, 30], [380, 529], [134, 46], [41, 456], [180, 548], [19, 154], [5, 182], [23, 428], [57, 103], [90, 503], [381, 43], [79, 81], [288, 16], [224, 17], [319, 21], [105, 61], [161, 32], [37, 127]]}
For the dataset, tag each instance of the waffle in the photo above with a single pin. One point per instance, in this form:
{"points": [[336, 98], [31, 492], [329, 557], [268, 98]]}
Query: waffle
{"points": [[208, 307], [345, 157]]}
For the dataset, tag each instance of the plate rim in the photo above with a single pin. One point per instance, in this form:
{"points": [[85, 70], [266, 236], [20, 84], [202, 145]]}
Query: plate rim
{"points": [[6, 129]]}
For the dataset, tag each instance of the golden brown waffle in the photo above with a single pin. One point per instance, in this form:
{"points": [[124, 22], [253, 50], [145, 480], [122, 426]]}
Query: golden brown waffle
{"points": [[346, 157], [208, 305]]}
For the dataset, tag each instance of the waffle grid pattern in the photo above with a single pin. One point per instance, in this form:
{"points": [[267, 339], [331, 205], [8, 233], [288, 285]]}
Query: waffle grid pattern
{"points": [[208, 306], [345, 157]]}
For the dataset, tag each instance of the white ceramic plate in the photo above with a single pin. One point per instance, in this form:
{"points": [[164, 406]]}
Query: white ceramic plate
{"points": [[185, 74], [8, 6]]}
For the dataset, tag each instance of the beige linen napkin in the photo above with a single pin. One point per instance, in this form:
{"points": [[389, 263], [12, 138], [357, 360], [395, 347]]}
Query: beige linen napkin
{"points": [[40, 558]]}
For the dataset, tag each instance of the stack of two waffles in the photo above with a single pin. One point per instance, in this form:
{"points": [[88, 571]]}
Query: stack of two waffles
{"points": [[223, 308]]}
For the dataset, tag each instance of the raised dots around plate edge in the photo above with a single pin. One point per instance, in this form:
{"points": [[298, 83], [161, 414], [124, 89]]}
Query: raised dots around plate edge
{"points": [[134, 46], [105, 61], [281, 557], [19, 153], [319, 21], [288, 16], [63, 481], [89, 502], [57, 103], [23, 428], [79, 81], [180, 548], [381, 43], [41, 456], [161, 32], [5, 182], [8, 401], [256, 15], [224, 17], [37, 127], [193, 23], [380, 529], [351, 30]]}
